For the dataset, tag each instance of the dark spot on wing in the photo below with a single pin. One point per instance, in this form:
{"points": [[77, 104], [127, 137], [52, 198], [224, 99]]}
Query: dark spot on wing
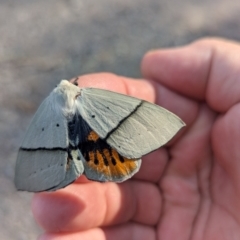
{"points": [[86, 156], [113, 161], [106, 163], [121, 159]]}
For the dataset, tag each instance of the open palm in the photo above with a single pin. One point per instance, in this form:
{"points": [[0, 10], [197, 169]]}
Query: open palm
{"points": [[189, 189]]}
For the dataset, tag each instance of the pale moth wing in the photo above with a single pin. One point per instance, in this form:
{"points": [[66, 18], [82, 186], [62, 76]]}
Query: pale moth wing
{"points": [[74, 169], [144, 131], [39, 170], [132, 126], [42, 162]]}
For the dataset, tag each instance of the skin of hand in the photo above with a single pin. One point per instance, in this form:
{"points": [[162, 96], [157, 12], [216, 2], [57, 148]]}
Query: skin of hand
{"points": [[189, 189]]}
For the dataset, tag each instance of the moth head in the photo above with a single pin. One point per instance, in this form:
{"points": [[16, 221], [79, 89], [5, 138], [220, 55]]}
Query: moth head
{"points": [[67, 88], [66, 93]]}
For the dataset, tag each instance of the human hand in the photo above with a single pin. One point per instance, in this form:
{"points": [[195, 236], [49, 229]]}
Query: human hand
{"points": [[187, 190]]}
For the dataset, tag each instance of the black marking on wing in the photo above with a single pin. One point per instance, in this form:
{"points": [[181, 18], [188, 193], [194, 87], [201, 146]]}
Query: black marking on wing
{"points": [[43, 148], [86, 145], [120, 122], [96, 162], [78, 130], [113, 161], [121, 158], [90, 146], [106, 163]]}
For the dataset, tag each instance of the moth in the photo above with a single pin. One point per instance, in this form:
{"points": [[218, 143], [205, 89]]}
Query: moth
{"points": [[90, 131]]}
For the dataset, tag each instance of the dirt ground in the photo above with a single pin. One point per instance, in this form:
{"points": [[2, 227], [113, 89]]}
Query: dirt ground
{"points": [[43, 42]]}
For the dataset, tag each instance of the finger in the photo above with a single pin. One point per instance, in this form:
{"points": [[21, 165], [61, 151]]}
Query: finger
{"points": [[207, 69], [185, 184], [82, 206], [182, 69], [136, 88], [129, 231], [226, 174]]}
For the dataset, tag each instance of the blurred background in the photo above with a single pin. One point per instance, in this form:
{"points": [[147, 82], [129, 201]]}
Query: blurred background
{"points": [[43, 42]]}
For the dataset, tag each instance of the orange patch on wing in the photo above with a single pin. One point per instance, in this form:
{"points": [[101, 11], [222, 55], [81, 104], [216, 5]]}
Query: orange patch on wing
{"points": [[92, 136], [111, 164], [107, 154], [91, 156]]}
